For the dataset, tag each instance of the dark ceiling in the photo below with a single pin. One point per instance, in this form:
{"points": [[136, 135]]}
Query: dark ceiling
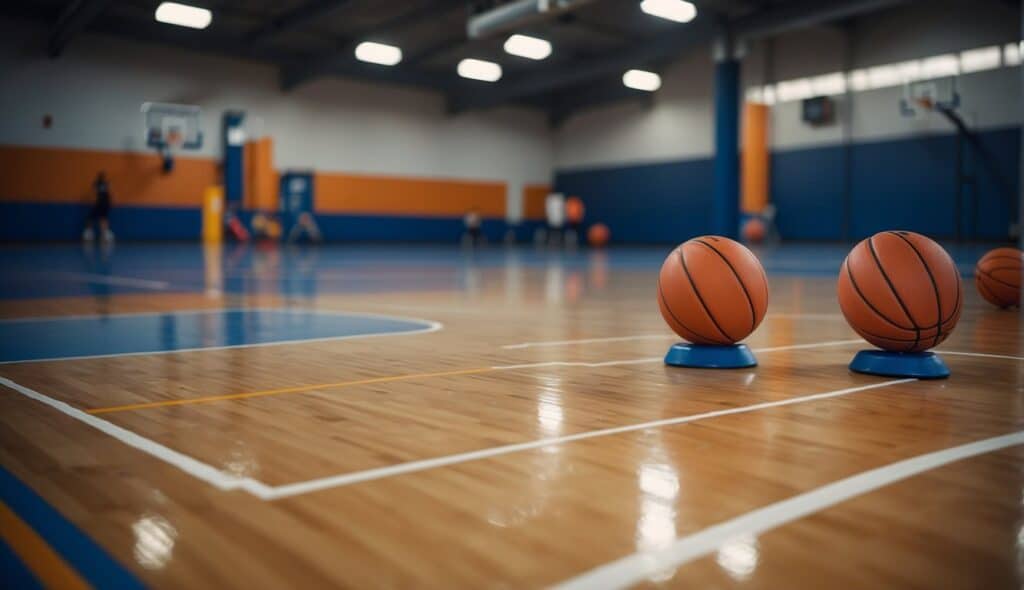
{"points": [[310, 39]]}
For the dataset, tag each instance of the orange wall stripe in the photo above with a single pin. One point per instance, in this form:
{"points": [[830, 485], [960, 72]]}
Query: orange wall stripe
{"points": [[63, 175], [261, 188], [754, 178], [534, 196], [347, 193]]}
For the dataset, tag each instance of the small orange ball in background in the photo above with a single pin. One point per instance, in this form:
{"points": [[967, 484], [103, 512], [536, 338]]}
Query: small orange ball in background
{"points": [[598, 235], [754, 230], [574, 210], [997, 276], [712, 290], [900, 291]]}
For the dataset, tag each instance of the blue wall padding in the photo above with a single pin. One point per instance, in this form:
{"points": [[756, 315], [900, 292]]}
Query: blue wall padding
{"points": [[650, 203], [906, 183], [47, 222], [51, 222], [806, 188], [234, 160], [726, 205]]}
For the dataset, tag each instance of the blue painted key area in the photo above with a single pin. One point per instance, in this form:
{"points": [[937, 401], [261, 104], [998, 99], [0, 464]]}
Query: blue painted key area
{"points": [[81, 336]]}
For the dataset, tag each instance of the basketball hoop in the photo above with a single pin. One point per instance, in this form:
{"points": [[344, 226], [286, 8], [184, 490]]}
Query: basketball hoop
{"points": [[171, 128], [921, 97]]}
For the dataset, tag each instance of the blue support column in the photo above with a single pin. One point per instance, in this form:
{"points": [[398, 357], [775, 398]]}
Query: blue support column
{"points": [[234, 168], [726, 202]]}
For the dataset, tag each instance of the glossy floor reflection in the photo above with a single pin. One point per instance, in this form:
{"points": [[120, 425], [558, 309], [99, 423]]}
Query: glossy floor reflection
{"points": [[517, 428]]}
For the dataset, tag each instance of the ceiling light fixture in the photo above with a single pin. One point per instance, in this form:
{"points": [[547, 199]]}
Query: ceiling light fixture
{"points": [[478, 69], [641, 80], [378, 53], [183, 15], [679, 11], [528, 47]]}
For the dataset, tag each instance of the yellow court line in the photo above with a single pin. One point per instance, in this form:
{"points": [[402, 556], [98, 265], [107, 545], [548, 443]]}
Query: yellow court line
{"points": [[285, 390], [47, 566]]}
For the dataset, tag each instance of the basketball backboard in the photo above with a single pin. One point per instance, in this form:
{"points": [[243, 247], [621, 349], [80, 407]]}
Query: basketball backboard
{"points": [[171, 128], [922, 96]]}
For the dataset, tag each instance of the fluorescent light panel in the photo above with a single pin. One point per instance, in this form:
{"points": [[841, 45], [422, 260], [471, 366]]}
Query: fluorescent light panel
{"points": [[378, 53], [795, 89], [641, 80], [977, 60], [829, 84], [679, 11], [528, 47], [183, 15], [478, 69], [1012, 53], [940, 66]]}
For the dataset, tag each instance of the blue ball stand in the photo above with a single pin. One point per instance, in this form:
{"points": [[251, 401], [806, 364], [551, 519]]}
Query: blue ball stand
{"points": [[706, 356], [923, 365]]}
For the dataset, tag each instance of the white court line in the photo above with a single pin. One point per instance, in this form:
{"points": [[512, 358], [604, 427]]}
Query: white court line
{"points": [[431, 326], [263, 491], [422, 465], [197, 469], [547, 343], [981, 354], [439, 309], [638, 567], [651, 359], [99, 279], [589, 341]]}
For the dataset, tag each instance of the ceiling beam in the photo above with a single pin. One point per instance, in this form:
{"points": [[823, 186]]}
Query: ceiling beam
{"points": [[235, 47], [341, 60], [517, 14], [771, 21], [74, 19], [804, 14], [567, 103], [294, 19]]}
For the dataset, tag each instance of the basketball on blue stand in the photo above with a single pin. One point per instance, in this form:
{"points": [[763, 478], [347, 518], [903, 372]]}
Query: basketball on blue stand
{"points": [[713, 292], [901, 292]]}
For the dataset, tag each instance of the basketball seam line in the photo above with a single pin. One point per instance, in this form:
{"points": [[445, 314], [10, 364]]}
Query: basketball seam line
{"points": [[1001, 304], [1002, 256], [860, 293], [984, 287], [935, 288], [693, 285], [989, 275], [746, 293], [874, 255], [869, 333], [661, 295], [994, 269]]}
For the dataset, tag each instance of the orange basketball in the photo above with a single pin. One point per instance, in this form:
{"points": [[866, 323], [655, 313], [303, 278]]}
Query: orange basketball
{"points": [[997, 276], [900, 291], [712, 290], [754, 230], [574, 210], [598, 235]]}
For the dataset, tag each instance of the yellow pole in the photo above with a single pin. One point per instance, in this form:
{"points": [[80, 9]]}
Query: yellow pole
{"points": [[213, 215]]}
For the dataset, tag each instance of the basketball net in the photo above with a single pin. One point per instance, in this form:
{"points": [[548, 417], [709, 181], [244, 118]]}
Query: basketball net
{"points": [[925, 103]]}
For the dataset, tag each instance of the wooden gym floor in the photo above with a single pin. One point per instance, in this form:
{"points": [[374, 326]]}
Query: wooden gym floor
{"points": [[526, 434]]}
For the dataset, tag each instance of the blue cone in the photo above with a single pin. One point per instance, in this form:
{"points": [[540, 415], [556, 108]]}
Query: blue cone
{"points": [[922, 365], [706, 356]]}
